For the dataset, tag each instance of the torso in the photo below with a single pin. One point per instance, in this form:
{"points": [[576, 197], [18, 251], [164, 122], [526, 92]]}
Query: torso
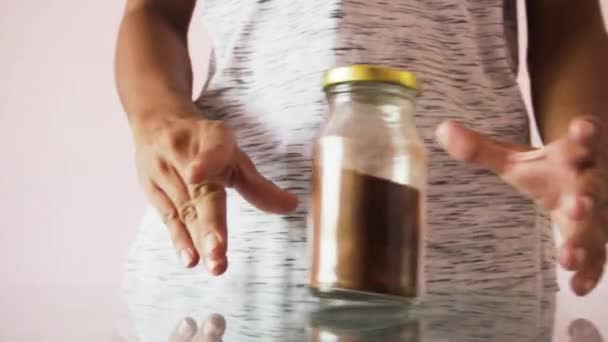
{"points": [[268, 60]]}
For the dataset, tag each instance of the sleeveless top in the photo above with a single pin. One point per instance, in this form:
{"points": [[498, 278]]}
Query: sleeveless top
{"points": [[267, 61]]}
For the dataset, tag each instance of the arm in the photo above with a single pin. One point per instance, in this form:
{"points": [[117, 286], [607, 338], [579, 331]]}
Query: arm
{"points": [[568, 61], [153, 69], [184, 161]]}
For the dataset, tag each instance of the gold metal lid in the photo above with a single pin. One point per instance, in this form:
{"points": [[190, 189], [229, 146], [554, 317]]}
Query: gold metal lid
{"points": [[369, 73]]}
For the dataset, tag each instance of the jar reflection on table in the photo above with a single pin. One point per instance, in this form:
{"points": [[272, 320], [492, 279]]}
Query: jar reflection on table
{"points": [[363, 323], [497, 315], [369, 179]]}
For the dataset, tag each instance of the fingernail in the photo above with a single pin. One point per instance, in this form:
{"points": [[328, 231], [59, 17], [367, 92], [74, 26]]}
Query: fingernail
{"points": [[441, 133], [186, 255], [210, 244], [186, 328], [215, 266], [436, 140], [586, 127]]}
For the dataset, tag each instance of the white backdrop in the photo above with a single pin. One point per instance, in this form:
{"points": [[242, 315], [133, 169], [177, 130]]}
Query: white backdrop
{"points": [[69, 200]]}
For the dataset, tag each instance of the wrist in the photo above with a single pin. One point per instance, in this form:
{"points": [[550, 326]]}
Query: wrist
{"points": [[161, 116], [161, 109]]}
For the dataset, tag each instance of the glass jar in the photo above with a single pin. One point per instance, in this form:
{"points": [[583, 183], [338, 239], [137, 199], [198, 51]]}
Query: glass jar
{"points": [[369, 180]]}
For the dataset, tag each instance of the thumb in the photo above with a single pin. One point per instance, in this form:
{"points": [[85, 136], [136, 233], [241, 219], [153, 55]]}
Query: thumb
{"points": [[259, 191], [469, 146]]}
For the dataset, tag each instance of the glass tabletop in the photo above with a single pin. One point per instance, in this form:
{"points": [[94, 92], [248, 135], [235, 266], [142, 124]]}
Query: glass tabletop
{"points": [[292, 314]]}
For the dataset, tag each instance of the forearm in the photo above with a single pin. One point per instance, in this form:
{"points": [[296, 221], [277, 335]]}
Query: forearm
{"points": [[153, 69], [568, 64]]}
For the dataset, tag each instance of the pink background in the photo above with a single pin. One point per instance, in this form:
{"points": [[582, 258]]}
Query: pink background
{"points": [[69, 199]]}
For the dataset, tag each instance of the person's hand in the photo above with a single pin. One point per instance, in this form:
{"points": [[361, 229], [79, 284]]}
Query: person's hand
{"points": [[210, 330], [569, 177], [184, 164]]}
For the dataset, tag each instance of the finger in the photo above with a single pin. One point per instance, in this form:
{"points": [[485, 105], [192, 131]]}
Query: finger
{"points": [[574, 253], [202, 209], [212, 329], [207, 225], [570, 259], [579, 148], [576, 206], [585, 130], [583, 242], [581, 196], [259, 191], [585, 280], [170, 216], [184, 331], [585, 253], [467, 145], [517, 165], [572, 154], [168, 179]]}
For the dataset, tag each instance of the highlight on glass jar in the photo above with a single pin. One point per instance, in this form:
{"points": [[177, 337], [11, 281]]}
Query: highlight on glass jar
{"points": [[369, 180]]}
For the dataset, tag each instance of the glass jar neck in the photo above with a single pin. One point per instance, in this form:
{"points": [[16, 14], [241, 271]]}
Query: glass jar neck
{"points": [[374, 89], [375, 94]]}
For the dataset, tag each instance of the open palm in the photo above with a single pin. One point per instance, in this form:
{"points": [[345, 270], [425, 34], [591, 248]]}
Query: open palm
{"points": [[569, 177]]}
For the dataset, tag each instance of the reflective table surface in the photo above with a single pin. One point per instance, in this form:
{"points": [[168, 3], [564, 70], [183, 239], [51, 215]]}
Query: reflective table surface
{"points": [[294, 315]]}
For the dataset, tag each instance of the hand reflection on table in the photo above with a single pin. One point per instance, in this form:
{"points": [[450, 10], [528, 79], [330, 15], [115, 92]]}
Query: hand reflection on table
{"points": [[210, 330], [582, 330]]}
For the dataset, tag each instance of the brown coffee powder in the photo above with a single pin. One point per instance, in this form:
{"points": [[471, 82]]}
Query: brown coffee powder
{"points": [[375, 225]]}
